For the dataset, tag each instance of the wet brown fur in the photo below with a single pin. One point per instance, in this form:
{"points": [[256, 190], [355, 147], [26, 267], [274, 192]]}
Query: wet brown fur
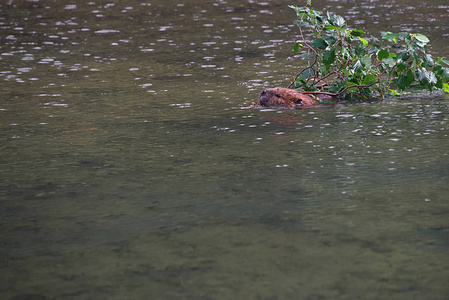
{"points": [[280, 97]]}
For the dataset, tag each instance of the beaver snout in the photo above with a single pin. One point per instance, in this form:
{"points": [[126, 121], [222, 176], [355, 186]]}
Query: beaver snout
{"points": [[264, 98]]}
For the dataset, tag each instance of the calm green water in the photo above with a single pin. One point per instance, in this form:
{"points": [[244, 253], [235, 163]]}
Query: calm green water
{"points": [[130, 168]]}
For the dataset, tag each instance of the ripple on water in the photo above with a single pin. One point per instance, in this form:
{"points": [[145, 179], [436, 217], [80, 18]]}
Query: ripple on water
{"points": [[107, 31]]}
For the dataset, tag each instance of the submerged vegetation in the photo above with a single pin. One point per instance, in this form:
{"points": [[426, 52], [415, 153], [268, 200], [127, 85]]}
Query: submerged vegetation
{"points": [[342, 62]]}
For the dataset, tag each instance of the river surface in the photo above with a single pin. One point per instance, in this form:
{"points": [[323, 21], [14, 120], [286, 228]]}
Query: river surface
{"points": [[130, 168]]}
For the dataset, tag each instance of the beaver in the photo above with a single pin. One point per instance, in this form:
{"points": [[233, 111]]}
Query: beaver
{"points": [[282, 97]]}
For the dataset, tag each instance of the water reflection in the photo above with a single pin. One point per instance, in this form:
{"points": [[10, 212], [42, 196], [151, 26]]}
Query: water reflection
{"points": [[130, 169]]}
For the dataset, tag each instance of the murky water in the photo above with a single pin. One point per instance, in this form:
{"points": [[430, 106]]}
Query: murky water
{"points": [[131, 171]]}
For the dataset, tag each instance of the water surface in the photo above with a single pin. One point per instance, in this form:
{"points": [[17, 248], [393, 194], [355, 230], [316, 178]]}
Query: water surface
{"points": [[130, 169]]}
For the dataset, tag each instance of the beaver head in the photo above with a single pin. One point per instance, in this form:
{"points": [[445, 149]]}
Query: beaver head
{"points": [[280, 97]]}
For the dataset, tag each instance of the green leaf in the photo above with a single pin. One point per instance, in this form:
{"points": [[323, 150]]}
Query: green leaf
{"points": [[307, 73], [405, 80], [357, 67], [309, 2], [446, 87], [427, 78], [296, 47], [444, 73], [336, 20], [439, 83], [401, 66], [329, 58], [356, 32], [299, 82], [330, 40], [373, 49], [443, 60], [319, 43], [339, 21], [384, 53], [389, 61], [428, 61], [405, 35], [354, 81], [331, 27], [389, 36], [365, 42], [375, 40], [402, 57], [395, 92], [366, 60], [360, 50], [369, 79], [422, 38]]}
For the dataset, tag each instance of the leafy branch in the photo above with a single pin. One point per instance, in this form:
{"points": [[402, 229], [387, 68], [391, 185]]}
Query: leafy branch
{"points": [[341, 62]]}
